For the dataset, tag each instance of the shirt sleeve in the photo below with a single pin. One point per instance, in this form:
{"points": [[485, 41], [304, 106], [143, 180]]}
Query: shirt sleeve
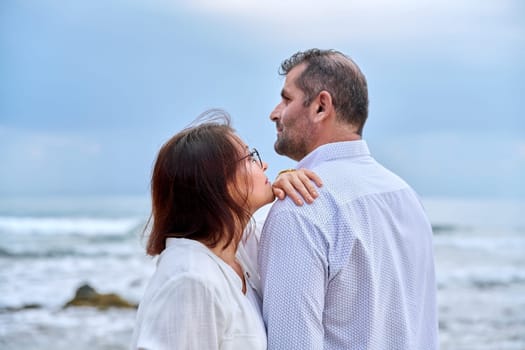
{"points": [[294, 274], [184, 314]]}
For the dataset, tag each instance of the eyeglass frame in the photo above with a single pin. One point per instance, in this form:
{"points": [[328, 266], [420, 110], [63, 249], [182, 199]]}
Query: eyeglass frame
{"points": [[251, 154]]}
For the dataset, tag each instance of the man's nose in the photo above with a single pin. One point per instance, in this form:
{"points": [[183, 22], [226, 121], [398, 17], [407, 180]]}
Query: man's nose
{"points": [[276, 113]]}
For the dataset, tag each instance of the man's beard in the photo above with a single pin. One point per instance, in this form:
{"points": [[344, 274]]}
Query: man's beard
{"points": [[285, 146]]}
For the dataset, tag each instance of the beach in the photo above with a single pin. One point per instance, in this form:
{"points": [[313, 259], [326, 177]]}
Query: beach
{"points": [[49, 246]]}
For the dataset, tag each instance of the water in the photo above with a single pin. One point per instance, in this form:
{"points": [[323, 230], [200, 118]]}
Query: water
{"points": [[480, 265], [50, 246]]}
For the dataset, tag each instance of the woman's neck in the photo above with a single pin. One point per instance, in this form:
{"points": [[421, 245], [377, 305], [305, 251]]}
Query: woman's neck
{"points": [[228, 255]]}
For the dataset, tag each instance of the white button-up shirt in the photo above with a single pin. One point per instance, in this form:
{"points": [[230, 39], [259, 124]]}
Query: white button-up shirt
{"points": [[353, 270], [194, 301]]}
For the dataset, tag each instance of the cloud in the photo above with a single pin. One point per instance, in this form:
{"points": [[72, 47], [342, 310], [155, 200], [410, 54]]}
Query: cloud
{"points": [[41, 162], [379, 20], [95, 82], [79, 162], [520, 150], [456, 163], [44, 146]]}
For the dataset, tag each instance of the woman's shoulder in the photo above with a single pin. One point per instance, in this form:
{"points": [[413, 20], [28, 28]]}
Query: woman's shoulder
{"points": [[188, 260]]}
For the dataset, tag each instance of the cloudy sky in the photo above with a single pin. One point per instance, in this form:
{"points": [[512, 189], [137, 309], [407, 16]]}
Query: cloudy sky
{"points": [[89, 90]]}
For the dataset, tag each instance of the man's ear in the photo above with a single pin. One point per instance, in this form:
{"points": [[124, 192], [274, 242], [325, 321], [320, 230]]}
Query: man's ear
{"points": [[324, 106]]}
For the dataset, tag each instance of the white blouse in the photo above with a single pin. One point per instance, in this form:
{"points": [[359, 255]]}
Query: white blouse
{"points": [[194, 300]]}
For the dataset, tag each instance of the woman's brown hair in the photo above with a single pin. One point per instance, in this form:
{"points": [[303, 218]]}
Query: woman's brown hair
{"points": [[191, 186]]}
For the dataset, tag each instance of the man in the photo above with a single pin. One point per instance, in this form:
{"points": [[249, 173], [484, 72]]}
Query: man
{"points": [[353, 270]]}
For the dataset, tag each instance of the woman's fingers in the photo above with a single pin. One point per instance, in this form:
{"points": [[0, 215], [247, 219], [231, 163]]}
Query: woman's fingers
{"points": [[279, 193], [298, 185], [312, 176]]}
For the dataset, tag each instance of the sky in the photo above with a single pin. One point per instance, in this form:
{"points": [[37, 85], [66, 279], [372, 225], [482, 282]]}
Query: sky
{"points": [[90, 90]]}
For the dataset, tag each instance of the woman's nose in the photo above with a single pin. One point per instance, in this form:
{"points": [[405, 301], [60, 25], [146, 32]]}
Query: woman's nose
{"points": [[265, 166]]}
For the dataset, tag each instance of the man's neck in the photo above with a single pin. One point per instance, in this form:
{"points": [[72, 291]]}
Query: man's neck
{"points": [[335, 135]]}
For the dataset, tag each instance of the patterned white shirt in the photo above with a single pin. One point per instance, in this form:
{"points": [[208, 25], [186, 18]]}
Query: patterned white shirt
{"points": [[353, 270]]}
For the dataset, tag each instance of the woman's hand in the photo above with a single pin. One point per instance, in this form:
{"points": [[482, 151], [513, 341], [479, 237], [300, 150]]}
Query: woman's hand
{"points": [[298, 185]]}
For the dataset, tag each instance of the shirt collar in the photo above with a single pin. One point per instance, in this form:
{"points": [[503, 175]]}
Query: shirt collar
{"points": [[191, 244], [185, 242], [334, 150]]}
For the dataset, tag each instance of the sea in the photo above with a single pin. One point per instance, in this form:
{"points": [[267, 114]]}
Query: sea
{"points": [[49, 246]]}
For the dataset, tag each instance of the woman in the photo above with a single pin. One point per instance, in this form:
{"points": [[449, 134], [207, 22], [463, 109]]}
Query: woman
{"points": [[205, 187]]}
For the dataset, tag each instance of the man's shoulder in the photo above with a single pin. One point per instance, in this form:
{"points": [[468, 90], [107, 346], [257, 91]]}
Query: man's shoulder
{"points": [[285, 213]]}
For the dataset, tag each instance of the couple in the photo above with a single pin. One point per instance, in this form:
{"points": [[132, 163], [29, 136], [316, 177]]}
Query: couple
{"points": [[352, 270]]}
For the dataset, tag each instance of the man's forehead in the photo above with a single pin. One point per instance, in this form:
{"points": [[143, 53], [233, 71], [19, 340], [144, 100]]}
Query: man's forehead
{"points": [[296, 71], [293, 74]]}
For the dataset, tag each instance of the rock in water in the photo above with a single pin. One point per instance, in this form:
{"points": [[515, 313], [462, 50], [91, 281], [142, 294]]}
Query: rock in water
{"points": [[20, 308], [85, 292], [88, 296]]}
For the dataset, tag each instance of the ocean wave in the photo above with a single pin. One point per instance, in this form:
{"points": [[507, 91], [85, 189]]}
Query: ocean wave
{"points": [[69, 225], [5, 253], [444, 228], [512, 245], [62, 253], [481, 277], [488, 283]]}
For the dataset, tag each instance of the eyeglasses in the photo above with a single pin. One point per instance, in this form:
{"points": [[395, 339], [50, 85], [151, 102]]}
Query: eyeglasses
{"points": [[254, 154]]}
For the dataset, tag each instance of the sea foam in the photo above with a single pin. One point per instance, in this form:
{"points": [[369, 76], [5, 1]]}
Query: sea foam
{"points": [[65, 225]]}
